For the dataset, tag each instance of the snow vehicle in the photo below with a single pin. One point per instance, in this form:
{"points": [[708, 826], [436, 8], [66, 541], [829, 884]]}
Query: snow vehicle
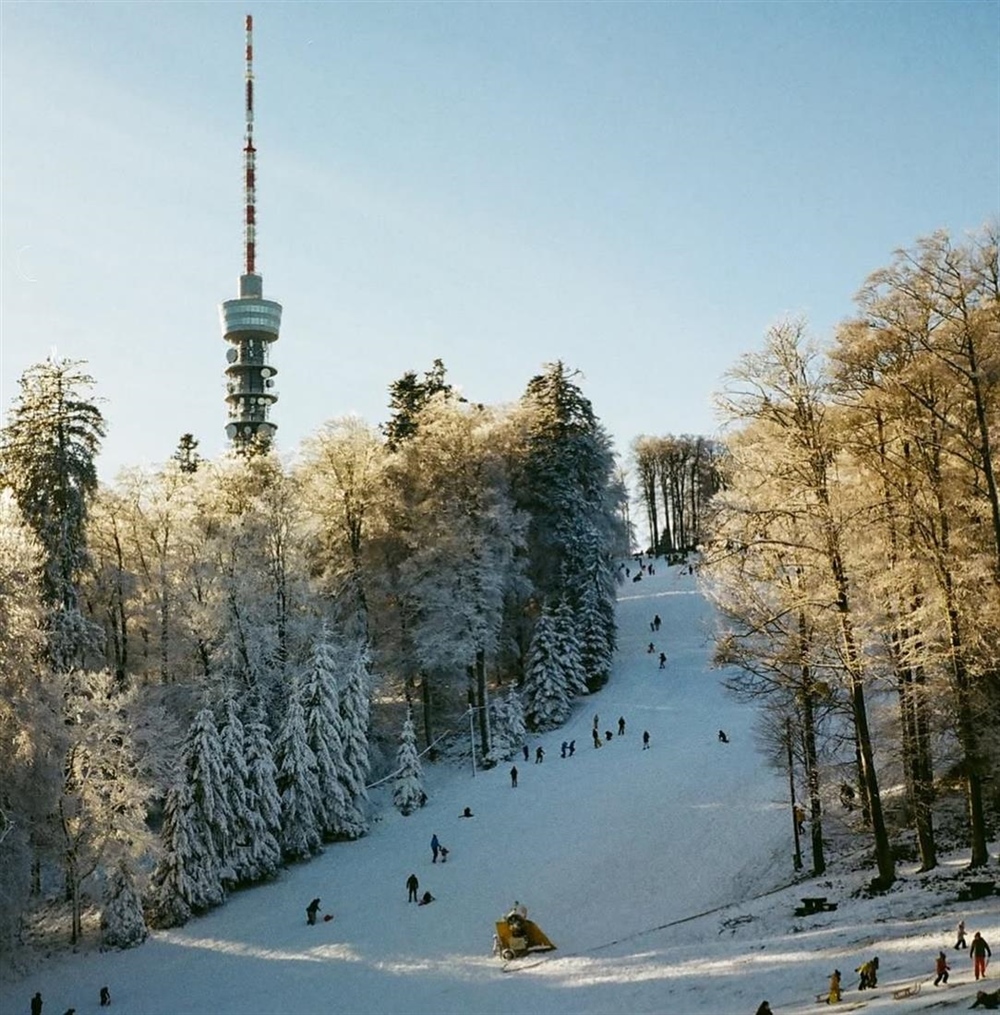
{"points": [[516, 936]]}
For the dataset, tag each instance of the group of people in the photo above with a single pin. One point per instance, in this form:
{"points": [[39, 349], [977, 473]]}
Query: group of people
{"points": [[36, 1002]]}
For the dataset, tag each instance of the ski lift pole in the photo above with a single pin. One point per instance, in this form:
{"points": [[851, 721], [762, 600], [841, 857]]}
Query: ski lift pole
{"points": [[472, 741]]}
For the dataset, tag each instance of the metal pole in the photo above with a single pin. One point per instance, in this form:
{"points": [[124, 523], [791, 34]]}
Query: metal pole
{"points": [[472, 742]]}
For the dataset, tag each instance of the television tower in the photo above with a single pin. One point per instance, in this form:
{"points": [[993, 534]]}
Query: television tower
{"points": [[249, 323]]}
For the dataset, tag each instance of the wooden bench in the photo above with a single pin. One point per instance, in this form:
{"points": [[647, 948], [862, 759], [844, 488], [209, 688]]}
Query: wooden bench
{"points": [[815, 904]]}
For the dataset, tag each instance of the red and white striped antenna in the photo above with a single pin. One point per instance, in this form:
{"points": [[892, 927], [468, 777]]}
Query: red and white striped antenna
{"points": [[249, 166]]}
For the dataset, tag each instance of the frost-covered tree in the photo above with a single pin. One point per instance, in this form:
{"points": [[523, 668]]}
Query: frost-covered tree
{"points": [[546, 690], [262, 853], [48, 451], [507, 726], [122, 922], [408, 791], [242, 848], [569, 650], [205, 768], [355, 710], [298, 782], [325, 736]]}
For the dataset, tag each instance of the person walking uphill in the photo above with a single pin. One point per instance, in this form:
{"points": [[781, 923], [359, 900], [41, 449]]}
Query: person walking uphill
{"points": [[435, 848], [833, 995], [412, 886], [311, 910], [941, 967], [513, 776], [979, 950]]}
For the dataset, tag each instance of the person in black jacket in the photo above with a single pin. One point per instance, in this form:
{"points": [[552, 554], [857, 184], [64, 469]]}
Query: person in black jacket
{"points": [[311, 910], [412, 884]]}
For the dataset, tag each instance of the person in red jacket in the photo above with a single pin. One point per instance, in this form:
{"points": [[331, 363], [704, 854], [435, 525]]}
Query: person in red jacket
{"points": [[980, 952], [941, 967]]}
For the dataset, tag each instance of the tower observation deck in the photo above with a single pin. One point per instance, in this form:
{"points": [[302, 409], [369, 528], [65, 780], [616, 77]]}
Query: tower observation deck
{"points": [[250, 324]]}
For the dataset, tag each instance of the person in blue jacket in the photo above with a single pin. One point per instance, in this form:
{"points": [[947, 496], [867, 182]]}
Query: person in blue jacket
{"points": [[435, 848]]}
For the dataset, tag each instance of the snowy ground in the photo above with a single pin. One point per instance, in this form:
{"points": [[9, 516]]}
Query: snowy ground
{"points": [[659, 874]]}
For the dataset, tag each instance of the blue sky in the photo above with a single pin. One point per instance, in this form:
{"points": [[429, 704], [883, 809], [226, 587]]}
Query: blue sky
{"points": [[636, 189]]}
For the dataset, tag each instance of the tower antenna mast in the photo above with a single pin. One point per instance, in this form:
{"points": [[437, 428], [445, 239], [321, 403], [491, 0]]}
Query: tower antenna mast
{"points": [[249, 165]]}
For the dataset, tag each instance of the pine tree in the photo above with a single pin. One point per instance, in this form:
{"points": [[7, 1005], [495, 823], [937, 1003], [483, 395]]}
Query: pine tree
{"points": [[325, 737], [507, 724], [234, 790], [569, 651], [205, 767], [122, 922], [262, 855], [355, 709], [47, 457], [545, 690], [298, 783], [408, 792]]}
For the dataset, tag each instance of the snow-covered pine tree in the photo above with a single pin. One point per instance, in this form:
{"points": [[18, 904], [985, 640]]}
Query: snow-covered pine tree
{"points": [[408, 792], [186, 879], [205, 769], [507, 723], [355, 709], [234, 790], [325, 737], [262, 855], [569, 649], [122, 922], [298, 784], [546, 695]]}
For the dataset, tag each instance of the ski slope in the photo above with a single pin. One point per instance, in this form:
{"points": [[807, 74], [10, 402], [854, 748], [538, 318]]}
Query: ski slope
{"points": [[607, 849]]}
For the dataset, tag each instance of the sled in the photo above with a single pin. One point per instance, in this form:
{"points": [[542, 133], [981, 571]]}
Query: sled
{"points": [[526, 936], [911, 991]]}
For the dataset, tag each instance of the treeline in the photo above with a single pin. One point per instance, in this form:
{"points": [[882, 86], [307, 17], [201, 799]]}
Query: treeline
{"points": [[219, 651], [855, 548], [677, 477]]}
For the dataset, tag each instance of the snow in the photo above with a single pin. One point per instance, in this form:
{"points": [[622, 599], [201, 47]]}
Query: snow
{"points": [[659, 875]]}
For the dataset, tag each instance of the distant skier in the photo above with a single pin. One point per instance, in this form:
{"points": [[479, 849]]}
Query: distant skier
{"points": [[36, 1003], [513, 776], [311, 910], [645, 740], [941, 967], [656, 622], [723, 739], [979, 951], [621, 726], [663, 660], [412, 885], [539, 755], [435, 848]]}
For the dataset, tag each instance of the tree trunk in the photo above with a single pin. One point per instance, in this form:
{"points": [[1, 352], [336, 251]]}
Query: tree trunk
{"points": [[483, 696]]}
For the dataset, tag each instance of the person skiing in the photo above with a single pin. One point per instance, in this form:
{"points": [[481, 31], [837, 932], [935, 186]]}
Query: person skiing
{"points": [[961, 943], [539, 755], [980, 952], [36, 1003], [941, 967], [663, 660], [621, 725], [311, 910], [645, 740], [412, 884], [833, 996], [513, 776], [435, 848]]}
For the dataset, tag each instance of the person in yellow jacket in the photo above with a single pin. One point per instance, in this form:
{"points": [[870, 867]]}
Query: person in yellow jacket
{"points": [[834, 996]]}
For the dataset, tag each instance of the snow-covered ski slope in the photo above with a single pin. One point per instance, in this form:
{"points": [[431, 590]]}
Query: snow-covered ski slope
{"points": [[605, 848]]}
